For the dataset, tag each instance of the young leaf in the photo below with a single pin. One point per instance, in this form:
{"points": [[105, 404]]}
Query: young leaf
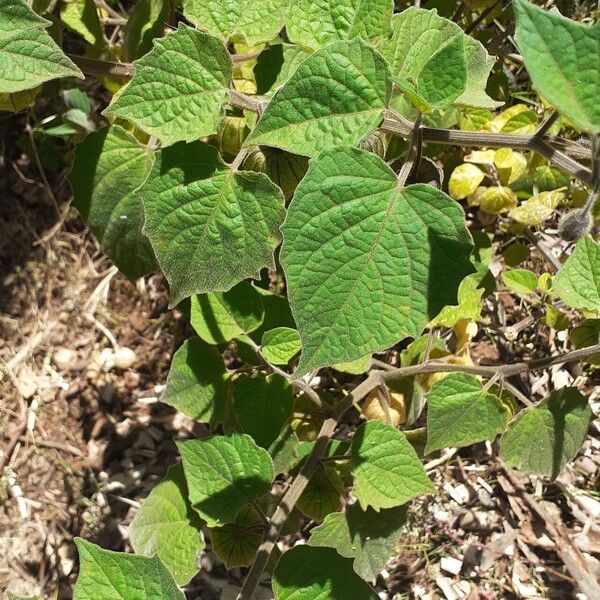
{"points": [[468, 308], [254, 21], [197, 383], [210, 227], [309, 573], [578, 282], [323, 494], [366, 263], [280, 345], [315, 24], [109, 165], [262, 405], [224, 473], [465, 179], [166, 525], [422, 43], [520, 281], [218, 318], [335, 97], [107, 575], [538, 208], [459, 413], [368, 537], [178, 88], [237, 543], [28, 55], [562, 58], [386, 469], [544, 438]]}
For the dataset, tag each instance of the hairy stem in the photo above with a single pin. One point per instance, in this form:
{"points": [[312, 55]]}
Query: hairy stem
{"points": [[397, 125]]}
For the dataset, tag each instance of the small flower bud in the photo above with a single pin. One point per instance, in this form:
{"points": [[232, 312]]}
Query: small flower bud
{"points": [[575, 225]]}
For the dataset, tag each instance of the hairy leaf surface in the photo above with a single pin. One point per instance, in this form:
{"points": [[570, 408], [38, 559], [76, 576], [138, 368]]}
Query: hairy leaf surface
{"points": [[178, 88], [366, 263], [107, 575], [334, 98], [224, 473], [210, 227]]}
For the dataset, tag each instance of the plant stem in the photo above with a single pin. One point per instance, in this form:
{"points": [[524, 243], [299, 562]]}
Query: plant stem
{"points": [[395, 124]]}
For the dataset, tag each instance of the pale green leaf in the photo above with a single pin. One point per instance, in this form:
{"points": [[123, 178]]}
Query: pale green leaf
{"points": [[224, 473], [386, 469], [12, 596], [544, 438], [578, 282], [354, 367], [109, 165], [107, 575], [197, 383], [367, 264], [422, 41], [218, 318], [460, 413], [368, 537], [262, 405], [237, 543], [280, 345], [28, 55], [562, 58], [166, 525], [254, 21], [81, 16], [520, 281], [469, 305], [334, 98], [210, 227], [465, 179], [310, 573], [178, 88], [538, 208], [314, 24]]}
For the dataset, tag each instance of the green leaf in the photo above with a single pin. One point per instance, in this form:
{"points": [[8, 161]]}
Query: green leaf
{"points": [[367, 264], [562, 58], [469, 305], [166, 525], [197, 383], [28, 55], [354, 367], [315, 24], [107, 575], [520, 281], [218, 318], [386, 469], [178, 88], [285, 450], [254, 21], [12, 596], [280, 345], [460, 413], [262, 406], [334, 98], [275, 65], [210, 227], [544, 438], [368, 537], [224, 473], [587, 334], [323, 494], [109, 165], [81, 16], [434, 54], [578, 282], [237, 543], [309, 573], [146, 22]]}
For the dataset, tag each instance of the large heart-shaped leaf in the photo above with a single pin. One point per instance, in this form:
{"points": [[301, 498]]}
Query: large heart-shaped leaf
{"points": [[367, 263]]}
